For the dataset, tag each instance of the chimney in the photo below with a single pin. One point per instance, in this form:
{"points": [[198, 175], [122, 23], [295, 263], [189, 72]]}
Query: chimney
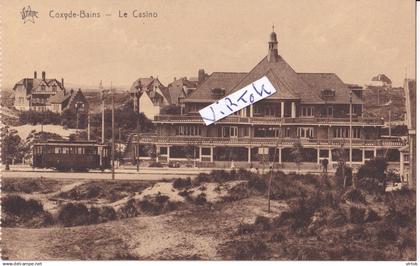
{"points": [[62, 82], [151, 77], [43, 75], [174, 78], [201, 75], [34, 74]]}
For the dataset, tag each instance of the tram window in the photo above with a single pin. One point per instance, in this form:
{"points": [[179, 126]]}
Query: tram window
{"points": [[66, 150], [57, 150], [80, 150]]}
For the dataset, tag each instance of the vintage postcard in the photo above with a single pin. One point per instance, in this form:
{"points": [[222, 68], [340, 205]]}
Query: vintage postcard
{"points": [[208, 130]]}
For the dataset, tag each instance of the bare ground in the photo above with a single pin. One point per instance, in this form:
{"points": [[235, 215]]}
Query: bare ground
{"points": [[186, 234]]}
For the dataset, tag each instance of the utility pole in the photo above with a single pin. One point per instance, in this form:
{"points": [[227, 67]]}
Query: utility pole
{"points": [[272, 169], [390, 112], [88, 133], [113, 135], [351, 129], [103, 112]]}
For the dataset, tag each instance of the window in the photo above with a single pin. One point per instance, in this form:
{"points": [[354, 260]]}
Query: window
{"points": [[305, 132], [340, 132], [163, 150], [269, 111], [406, 158], [54, 87], [188, 130], [324, 153], [287, 132], [266, 132], [307, 111], [43, 87], [206, 151], [330, 111], [356, 133], [229, 132]]}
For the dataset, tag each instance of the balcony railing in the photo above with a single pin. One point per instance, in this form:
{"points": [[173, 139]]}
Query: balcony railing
{"points": [[267, 119], [155, 139]]}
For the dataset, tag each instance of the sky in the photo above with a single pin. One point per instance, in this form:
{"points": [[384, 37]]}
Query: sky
{"points": [[355, 39]]}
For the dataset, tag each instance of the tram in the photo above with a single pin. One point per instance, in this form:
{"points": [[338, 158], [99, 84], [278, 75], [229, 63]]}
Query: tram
{"points": [[79, 156]]}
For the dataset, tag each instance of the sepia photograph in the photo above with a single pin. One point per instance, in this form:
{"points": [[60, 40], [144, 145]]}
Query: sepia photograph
{"points": [[208, 131]]}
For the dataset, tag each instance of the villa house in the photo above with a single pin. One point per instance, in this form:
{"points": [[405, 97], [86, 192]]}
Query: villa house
{"points": [[316, 110], [34, 93], [149, 96]]}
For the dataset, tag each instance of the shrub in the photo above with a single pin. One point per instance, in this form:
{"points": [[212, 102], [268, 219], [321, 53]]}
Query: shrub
{"points": [[337, 219], [372, 216], [129, 209], [155, 164], [262, 221], [374, 169], [277, 237], [339, 179], [74, 214], [200, 199], [107, 214], [246, 229], [387, 234], [17, 205], [355, 195], [357, 215], [182, 183], [161, 198], [150, 207], [254, 249]]}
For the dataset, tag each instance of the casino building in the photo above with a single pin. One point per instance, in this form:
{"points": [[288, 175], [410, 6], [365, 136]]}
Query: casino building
{"points": [[312, 109]]}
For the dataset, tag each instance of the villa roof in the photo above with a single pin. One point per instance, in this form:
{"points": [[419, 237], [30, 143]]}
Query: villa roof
{"points": [[225, 80]]}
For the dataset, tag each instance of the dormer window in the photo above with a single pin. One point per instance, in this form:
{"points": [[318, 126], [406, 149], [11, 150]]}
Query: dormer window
{"points": [[43, 87], [218, 92], [54, 87], [327, 94]]}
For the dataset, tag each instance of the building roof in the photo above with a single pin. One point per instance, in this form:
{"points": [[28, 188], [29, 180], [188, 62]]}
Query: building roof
{"points": [[383, 78], [141, 83], [32, 84], [320, 81], [225, 80], [285, 80], [59, 98], [176, 89]]}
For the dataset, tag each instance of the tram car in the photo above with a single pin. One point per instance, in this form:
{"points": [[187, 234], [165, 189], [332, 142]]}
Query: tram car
{"points": [[65, 156]]}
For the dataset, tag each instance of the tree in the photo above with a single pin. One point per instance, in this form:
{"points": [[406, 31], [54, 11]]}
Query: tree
{"points": [[190, 152], [374, 169], [11, 146], [343, 170], [298, 154]]}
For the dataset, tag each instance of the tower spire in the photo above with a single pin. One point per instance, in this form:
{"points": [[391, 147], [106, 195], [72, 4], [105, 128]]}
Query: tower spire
{"points": [[272, 47]]}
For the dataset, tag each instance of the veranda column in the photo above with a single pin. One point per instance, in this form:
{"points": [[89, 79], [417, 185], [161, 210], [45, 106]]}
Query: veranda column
{"points": [[249, 154], [317, 155], [402, 166], [211, 154], [363, 155], [293, 109], [282, 109], [280, 155]]}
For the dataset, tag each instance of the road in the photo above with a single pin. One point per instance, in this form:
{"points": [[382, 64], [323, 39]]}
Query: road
{"points": [[23, 171], [118, 176]]}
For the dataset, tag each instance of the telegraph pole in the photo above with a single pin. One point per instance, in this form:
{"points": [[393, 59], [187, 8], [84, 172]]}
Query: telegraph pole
{"points": [[351, 129], [88, 133], [390, 112], [103, 112], [113, 135]]}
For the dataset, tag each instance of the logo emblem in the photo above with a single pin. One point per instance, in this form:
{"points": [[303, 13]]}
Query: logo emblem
{"points": [[28, 14]]}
